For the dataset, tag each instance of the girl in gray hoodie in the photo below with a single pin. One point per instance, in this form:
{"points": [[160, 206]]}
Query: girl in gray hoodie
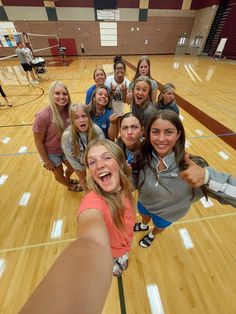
{"points": [[170, 180]]}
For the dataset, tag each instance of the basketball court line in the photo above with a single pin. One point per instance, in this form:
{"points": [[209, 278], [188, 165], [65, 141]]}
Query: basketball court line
{"points": [[17, 154], [15, 125], [27, 102], [121, 295], [25, 247]]}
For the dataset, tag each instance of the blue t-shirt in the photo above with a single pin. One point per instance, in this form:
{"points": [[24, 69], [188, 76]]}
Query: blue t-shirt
{"points": [[103, 121], [89, 94]]}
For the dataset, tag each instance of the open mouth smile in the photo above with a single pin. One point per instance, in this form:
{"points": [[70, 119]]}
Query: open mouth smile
{"points": [[105, 176]]}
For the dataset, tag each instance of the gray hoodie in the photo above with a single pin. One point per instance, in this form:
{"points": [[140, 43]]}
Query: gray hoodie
{"points": [[167, 195]]}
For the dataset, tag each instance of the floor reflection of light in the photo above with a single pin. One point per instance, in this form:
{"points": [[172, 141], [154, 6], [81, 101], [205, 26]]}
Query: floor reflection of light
{"points": [[154, 299], [187, 144], [2, 266], [194, 73], [190, 74], [210, 72], [3, 178], [5, 140], [223, 155], [175, 65], [57, 229]]}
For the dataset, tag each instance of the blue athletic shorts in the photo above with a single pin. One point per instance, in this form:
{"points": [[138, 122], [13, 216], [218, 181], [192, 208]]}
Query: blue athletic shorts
{"points": [[157, 220], [57, 159]]}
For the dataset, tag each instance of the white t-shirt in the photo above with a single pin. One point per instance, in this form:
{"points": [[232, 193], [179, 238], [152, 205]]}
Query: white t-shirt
{"points": [[117, 94]]}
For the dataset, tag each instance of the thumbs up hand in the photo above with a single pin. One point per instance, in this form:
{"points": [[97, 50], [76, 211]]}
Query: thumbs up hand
{"points": [[194, 175]]}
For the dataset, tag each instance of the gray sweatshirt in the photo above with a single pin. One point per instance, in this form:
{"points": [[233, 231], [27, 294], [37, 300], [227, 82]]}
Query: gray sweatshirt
{"points": [[167, 195], [77, 162]]}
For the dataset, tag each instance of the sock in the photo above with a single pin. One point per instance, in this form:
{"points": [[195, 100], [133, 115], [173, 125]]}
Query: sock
{"points": [[143, 226], [151, 235]]}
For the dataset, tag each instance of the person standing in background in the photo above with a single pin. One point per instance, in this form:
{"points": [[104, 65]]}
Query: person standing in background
{"points": [[24, 61], [5, 97], [82, 50], [62, 54], [30, 58]]}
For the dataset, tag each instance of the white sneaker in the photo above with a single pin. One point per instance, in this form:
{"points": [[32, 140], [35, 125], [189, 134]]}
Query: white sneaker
{"points": [[34, 82], [117, 271], [123, 261]]}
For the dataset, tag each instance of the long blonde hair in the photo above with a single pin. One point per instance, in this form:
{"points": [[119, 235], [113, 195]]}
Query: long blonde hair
{"points": [[74, 130], [115, 201], [57, 120]]}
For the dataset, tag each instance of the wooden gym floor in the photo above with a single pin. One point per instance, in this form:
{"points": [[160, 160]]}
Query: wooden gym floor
{"points": [[38, 215]]}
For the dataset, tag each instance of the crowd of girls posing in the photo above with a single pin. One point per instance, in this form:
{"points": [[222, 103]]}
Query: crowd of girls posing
{"points": [[157, 165]]}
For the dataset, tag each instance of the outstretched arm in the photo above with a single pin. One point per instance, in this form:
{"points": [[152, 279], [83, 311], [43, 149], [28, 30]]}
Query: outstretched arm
{"points": [[80, 279], [219, 185]]}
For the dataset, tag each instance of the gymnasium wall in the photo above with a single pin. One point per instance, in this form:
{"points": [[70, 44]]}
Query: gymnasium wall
{"points": [[229, 31], [156, 23], [202, 26]]}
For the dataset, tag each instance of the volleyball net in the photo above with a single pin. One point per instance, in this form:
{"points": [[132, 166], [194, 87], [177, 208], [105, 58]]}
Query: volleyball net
{"points": [[40, 44]]}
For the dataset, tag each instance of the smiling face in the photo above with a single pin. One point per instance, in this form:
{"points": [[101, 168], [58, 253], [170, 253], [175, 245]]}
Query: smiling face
{"points": [[103, 168], [101, 98], [143, 68], [130, 132], [169, 95], [99, 77], [141, 92], [60, 96], [81, 120], [163, 136], [119, 70]]}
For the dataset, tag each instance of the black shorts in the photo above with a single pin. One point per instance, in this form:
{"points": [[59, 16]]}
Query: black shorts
{"points": [[26, 66], [82, 50]]}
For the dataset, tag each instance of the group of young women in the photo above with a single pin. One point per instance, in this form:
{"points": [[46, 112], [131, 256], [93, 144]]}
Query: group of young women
{"points": [[113, 153]]}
